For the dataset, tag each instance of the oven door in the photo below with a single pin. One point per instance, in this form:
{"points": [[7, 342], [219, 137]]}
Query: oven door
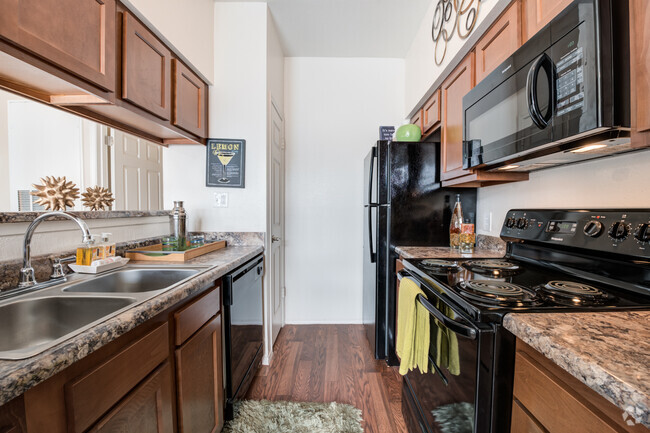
{"points": [[455, 396]]}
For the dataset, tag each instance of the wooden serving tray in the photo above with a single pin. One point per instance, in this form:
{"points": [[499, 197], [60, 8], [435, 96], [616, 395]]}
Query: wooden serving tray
{"points": [[154, 253]]}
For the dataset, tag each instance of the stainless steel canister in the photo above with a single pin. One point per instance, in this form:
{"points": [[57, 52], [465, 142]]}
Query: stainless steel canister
{"points": [[178, 223]]}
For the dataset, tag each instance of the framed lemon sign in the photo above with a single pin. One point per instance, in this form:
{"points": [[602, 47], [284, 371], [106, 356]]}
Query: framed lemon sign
{"points": [[225, 161]]}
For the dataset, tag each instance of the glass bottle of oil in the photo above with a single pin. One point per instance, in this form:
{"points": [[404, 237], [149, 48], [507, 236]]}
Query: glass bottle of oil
{"points": [[456, 224]]}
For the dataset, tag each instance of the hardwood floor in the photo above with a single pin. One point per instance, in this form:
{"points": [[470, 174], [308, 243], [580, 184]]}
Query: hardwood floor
{"points": [[322, 363]]}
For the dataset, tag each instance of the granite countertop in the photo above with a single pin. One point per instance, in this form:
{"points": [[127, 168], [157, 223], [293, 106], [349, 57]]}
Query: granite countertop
{"points": [[609, 352], [18, 376], [446, 253]]}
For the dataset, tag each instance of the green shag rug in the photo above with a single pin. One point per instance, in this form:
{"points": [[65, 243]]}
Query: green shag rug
{"points": [[288, 417]]}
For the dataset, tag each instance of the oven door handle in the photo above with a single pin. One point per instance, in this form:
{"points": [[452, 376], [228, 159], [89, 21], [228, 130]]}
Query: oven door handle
{"points": [[454, 326]]}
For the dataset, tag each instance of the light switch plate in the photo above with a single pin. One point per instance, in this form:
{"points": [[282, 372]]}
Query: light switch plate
{"points": [[220, 199], [486, 224]]}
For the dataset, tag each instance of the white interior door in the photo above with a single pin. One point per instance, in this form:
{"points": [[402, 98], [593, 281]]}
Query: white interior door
{"points": [[276, 256], [136, 173]]}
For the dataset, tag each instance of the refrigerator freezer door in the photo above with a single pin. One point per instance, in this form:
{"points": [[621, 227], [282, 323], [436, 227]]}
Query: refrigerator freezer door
{"points": [[370, 175]]}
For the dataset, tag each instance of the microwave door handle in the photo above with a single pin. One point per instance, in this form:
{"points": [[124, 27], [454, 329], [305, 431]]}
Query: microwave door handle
{"points": [[543, 61]]}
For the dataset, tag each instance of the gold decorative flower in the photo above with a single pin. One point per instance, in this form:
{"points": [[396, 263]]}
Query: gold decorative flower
{"points": [[56, 193], [97, 198]]}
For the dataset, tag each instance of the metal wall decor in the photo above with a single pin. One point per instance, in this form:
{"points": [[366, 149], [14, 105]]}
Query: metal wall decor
{"points": [[56, 193], [97, 198], [449, 17]]}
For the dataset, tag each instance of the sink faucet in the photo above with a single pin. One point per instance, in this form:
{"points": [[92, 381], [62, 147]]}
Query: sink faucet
{"points": [[27, 272]]}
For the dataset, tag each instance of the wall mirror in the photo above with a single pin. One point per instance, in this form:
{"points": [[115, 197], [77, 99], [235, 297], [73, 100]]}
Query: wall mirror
{"points": [[38, 140]]}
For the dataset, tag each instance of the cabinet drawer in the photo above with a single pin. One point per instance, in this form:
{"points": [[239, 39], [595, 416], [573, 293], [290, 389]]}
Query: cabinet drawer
{"points": [[522, 422], [147, 409], [556, 407], [146, 69], [92, 394], [192, 317], [75, 35], [189, 98]]}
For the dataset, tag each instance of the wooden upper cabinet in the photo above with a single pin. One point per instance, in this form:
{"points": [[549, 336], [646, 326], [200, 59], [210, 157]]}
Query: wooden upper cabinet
{"points": [[431, 113], [640, 71], [189, 95], [417, 120], [499, 42], [146, 69], [538, 13], [199, 381], [75, 35], [459, 82]]}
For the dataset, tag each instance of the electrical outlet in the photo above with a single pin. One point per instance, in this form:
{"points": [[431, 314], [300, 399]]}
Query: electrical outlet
{"points": [[487, 222], [220, 199]]}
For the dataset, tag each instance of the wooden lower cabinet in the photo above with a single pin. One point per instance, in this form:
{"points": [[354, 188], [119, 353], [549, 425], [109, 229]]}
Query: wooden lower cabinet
{"points": [[547, 399], [147, 409], [142, 382], [199, 381]]}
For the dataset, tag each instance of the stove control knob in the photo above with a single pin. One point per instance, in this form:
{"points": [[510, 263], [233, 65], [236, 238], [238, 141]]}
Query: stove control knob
{"points": [[642, 233], [593, 228], [510, 222], [619, 230], [522, 223]]}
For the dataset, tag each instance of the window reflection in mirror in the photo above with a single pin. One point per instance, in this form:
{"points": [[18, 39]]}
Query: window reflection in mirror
{"points": [[38, 140]]}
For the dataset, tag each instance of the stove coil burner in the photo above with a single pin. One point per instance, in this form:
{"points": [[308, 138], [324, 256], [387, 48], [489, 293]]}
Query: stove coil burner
{"points": [[498, 293], [496, 268], [572, 293], [439, 265]]}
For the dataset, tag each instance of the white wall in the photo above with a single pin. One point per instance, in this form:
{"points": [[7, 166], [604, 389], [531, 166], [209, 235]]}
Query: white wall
{"points": [[334, 108], [614, 182], [237, 110], [420, 67], [188, 25]]}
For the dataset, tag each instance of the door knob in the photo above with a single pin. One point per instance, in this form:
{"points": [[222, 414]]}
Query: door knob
{"points": [[275, 239]]}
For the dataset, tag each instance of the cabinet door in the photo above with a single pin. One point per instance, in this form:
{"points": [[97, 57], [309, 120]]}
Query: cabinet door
{"points": [[417, 119], [640, 70], [189, 108], [431, 112], [522, 422], [503, 39], [538, 13], [147, 409], [75, 35], [146, 69], [459, 82], [199, 381], [12, 416]]}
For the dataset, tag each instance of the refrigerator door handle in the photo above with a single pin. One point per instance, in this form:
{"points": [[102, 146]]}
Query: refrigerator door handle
{"points": [[373, 253], [370, 176]]}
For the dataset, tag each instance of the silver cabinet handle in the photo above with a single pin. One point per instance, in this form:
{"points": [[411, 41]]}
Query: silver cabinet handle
{"points": [[275, 239]]}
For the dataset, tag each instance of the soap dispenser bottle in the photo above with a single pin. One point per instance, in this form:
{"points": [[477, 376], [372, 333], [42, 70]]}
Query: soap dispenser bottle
{"points": [[108, 247]]}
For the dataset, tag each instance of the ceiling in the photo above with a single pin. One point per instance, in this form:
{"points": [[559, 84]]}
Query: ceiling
{"points": [[347, 28]]}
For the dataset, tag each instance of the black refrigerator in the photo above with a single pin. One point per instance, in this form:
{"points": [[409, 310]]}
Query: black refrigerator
{"points": [[404, 205]]}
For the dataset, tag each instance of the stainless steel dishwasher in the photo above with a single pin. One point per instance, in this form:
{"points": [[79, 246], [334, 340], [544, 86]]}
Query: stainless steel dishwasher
{"points": [[243, 327]]}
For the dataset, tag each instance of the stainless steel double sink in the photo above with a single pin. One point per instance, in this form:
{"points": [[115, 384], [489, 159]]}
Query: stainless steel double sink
{"points": [[34, 322]]}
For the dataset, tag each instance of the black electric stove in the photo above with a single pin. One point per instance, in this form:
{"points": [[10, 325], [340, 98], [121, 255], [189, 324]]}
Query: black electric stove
{"points": [[555, 261]]}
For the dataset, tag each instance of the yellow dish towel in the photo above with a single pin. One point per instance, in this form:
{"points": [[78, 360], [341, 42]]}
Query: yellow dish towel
{"points": [[413, 331], [447, 344]]}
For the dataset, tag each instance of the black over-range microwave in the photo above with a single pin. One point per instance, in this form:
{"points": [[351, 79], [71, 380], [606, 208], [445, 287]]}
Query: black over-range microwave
{"points": [[562, 97]]}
